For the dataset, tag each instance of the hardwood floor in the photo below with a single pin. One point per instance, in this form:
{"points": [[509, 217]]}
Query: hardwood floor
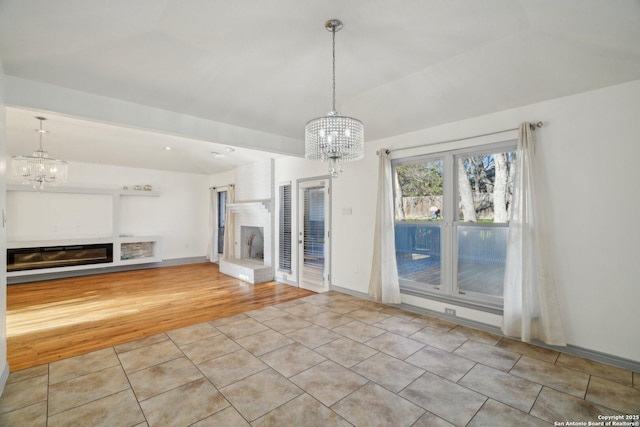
{"points": [[57, 319]]}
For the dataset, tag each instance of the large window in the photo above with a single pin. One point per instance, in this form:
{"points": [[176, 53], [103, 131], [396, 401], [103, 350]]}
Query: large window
{"points": [[451, 222]]}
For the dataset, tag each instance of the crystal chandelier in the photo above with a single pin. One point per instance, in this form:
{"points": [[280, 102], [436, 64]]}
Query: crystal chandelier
{"points": [[334, 138], [38, 168]]}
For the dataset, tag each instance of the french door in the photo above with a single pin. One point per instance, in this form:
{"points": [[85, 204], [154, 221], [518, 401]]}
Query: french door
{"points": [[313, 235]]}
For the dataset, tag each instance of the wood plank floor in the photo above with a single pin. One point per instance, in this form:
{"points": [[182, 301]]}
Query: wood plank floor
{"points": [[57, 319]]}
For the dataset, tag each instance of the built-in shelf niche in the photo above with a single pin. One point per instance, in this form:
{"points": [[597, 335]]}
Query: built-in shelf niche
{"points": [[137, 250]]}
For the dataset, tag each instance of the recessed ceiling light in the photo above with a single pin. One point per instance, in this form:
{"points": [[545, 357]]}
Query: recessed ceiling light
{"points": [[216, 154], [229, 149], [167, 148]]}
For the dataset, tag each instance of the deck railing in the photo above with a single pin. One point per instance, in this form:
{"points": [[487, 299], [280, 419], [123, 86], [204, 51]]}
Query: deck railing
{"points": [[476, 243]]}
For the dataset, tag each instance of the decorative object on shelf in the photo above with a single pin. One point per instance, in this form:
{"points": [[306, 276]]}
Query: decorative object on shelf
{"points": [[39, 168], [147, 187], [137, 187], [334, 138]]}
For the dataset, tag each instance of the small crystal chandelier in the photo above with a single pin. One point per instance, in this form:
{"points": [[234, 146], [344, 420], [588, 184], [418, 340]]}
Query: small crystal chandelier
{"points": [[38, 168], [334, 138]]}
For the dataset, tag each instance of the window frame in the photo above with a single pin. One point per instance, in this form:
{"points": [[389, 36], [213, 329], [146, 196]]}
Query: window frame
{"points": [[449, 289], [410, 285]]}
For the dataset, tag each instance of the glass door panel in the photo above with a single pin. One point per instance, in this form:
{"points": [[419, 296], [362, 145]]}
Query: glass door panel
{"points": [[313, 243]]}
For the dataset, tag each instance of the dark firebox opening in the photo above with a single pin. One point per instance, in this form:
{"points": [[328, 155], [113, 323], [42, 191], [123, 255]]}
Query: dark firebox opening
{"points": [[58, 256]]}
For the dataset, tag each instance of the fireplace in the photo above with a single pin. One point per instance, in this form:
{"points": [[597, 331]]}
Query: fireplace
{"points": [[58, 256], [252, 242]]}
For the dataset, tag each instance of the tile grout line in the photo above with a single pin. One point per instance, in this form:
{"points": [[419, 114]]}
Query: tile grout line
{"points": [[80, 376], [586, 390], [267, 367], [535, 401], [218, 390], [280, 405], [48, 391], [131, 387], [177, 387], [480, 408]]}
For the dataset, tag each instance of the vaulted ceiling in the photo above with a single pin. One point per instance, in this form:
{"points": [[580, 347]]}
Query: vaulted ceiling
{"points": [[263, 68]]}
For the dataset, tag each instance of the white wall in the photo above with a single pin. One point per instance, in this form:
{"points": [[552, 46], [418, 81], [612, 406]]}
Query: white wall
{"points": [[179, 214], [4, 370], [51, 216], [590, 150], [254, 181]]}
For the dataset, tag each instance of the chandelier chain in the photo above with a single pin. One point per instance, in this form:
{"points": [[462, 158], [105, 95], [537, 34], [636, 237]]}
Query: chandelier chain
{"points": [[40, 131], [334, 67]]}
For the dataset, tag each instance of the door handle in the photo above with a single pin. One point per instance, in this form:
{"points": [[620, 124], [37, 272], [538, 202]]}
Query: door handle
{"points": [[300, 241]]}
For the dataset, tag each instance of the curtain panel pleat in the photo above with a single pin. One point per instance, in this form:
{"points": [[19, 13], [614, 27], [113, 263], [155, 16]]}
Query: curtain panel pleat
{"points": [[384, 285], [228, 250]]}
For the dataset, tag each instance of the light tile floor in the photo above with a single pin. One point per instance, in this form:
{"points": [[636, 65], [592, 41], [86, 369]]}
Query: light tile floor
{"points": [[325, 360]]}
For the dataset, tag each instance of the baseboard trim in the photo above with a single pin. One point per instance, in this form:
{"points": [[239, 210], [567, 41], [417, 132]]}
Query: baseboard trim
{"points": [[350, 292], [4, 377], [454, 301], [573, 350], [103, 270], [285, 282]]}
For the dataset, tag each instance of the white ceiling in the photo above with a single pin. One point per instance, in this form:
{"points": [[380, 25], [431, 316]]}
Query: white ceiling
{"points": [[266, 66], [80, 140]]}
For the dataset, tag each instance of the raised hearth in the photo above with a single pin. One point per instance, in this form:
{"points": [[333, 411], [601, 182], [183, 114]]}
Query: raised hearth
{"points": [[250, 270]]}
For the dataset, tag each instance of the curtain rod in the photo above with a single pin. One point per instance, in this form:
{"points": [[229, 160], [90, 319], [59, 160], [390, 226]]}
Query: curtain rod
{"points": [[221, 186], [532, 126]]}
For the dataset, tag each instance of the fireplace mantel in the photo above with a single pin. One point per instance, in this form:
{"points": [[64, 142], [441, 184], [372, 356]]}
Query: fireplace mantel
{"points": [[252, 206]]}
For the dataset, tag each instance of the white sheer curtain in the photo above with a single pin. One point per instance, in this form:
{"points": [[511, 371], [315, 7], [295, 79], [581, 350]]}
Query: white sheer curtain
{"points": [[228, 250], [383, 285], [531, 308], [213, 225]]}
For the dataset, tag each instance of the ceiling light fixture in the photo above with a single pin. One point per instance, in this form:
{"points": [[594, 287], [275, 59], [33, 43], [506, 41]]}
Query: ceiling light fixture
{"points": [[229, 149], [216, 154], [38, 168], [167, 148], [334, 138]]}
